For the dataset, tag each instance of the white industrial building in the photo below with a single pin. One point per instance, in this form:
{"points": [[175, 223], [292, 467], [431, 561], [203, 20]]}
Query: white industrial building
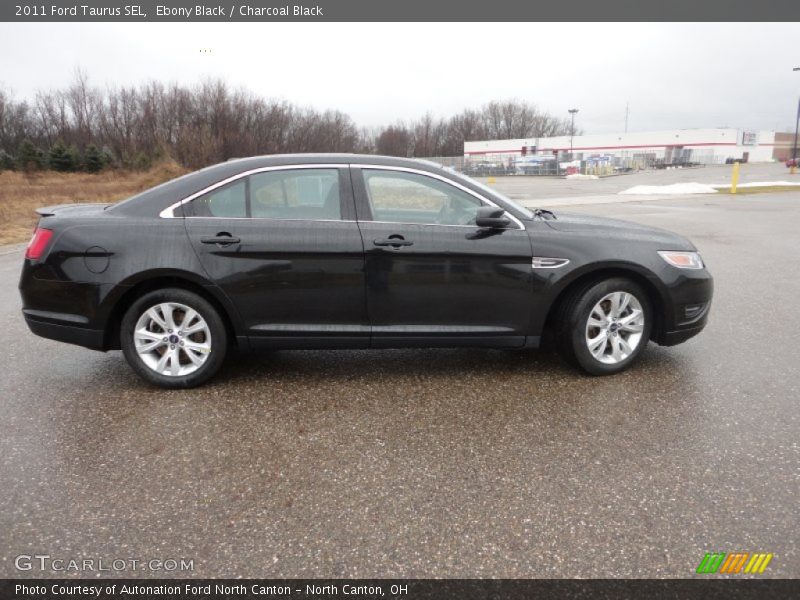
{"points": [[638, 149]]}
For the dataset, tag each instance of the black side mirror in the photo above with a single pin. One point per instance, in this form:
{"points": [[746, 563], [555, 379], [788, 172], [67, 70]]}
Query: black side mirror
{"points": [[491, 216]]}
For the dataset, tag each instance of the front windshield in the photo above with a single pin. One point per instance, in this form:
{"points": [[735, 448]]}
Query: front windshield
{"points": [[526, 212]]}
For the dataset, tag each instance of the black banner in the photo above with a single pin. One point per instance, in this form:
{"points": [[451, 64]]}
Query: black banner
{"points": [[407, 10], [396, 589]]}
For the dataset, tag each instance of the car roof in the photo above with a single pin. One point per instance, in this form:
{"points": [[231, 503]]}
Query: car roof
{"points": [[157, 198], [333, 158]]}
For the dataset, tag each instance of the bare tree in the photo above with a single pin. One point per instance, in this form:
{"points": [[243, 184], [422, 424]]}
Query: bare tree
{"points": [[211, 122], [395, 140]]}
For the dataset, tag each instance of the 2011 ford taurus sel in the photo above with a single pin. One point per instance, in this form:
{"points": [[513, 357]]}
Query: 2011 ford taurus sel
{"points": [[344, 251]]}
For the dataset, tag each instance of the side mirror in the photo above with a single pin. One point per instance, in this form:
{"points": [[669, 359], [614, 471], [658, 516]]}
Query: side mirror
{"points": [[491, 216]]}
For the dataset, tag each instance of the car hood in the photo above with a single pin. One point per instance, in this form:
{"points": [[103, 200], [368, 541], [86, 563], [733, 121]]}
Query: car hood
{"points": [[619, 229]]}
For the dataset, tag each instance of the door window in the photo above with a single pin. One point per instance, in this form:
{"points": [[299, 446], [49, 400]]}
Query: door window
{"points": [[228, 201], [400, 197], [307, 194], [296, 194]]}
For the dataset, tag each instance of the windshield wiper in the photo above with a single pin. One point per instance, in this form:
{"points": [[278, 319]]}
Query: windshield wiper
{"points": [[545, 214]]}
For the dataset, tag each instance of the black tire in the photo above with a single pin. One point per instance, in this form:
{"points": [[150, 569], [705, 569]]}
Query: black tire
{"points": [[218, 338], [572, 323]]}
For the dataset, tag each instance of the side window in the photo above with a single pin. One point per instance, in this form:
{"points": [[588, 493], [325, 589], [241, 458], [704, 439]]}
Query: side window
{"points": [[289, 194], [228, 201], [400, 197], [295, 194]]}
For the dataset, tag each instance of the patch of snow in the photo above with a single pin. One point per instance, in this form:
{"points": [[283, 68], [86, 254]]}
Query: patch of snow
{"points": [[581, 176], [674, 189], [757, 184]]}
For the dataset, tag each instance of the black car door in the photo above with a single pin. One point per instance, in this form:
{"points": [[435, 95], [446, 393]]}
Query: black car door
{"points": [[283, 244], [433, 276]]}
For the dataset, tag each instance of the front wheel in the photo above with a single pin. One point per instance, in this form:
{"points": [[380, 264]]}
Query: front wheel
{"points": [[173, 338], [605, 326]]}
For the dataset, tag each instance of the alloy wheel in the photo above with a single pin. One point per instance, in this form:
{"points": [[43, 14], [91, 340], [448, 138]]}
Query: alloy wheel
{"points": [[614, 327], [172, 339]]}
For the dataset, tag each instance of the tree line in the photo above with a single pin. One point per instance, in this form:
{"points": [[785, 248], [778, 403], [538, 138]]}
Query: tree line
{"points": [[82, 127]]}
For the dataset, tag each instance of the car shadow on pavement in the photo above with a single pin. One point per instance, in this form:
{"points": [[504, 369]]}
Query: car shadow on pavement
{"points": [[401, 367]]}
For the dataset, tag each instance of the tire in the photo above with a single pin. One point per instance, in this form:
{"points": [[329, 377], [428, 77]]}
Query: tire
{"points": [[200, 352], [614, 339]]}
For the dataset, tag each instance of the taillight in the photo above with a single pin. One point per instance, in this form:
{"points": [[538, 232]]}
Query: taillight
{"points": [[38, 244]]}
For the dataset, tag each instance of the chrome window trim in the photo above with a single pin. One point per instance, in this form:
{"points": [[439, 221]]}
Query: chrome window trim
{"points": [[169, 212], [473, 227], [268, 219], [447, 180]]}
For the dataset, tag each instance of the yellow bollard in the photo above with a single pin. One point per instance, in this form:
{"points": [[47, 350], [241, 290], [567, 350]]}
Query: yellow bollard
{"points": [[491, 180], [734, 177]]}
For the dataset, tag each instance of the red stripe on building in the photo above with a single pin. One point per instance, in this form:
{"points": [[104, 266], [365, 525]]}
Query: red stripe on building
{"points": [[577, 149]]}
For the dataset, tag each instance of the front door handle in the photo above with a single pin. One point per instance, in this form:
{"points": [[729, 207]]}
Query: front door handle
{"points": [[221, 239], [394, 241]]}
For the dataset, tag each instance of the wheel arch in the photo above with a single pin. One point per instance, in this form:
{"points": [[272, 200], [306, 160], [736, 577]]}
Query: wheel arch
{"points": [[639, 275], [132, 289]]}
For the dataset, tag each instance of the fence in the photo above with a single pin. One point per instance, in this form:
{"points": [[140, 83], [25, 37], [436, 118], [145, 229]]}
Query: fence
{"points": [[584, 163], [452, 162]]}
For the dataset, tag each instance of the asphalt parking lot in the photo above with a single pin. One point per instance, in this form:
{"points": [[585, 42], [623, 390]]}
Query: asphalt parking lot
{"points": [[566, 191], [433, 463]]}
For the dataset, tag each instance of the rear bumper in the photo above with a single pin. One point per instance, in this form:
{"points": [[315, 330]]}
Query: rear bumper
{"points": [[66, 311], [64, 329]]}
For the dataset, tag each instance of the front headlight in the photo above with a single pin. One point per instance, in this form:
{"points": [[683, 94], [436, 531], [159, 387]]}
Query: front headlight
{"points": [[682, 260]]}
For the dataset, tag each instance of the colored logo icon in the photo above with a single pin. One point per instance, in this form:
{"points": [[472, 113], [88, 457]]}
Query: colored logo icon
{"points": [[734, 562]]}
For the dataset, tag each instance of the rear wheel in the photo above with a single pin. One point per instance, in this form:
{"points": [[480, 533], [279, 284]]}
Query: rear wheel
{"points": [[173, 338], [605, 326]]}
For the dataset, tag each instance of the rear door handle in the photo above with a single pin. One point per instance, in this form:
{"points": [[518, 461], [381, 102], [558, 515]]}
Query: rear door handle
{"points": [[221, 239], [396, 242]]}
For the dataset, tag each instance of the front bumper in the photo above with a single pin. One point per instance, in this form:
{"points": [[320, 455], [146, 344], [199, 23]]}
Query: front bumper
{"points": [[688, 307], [672, 338]]}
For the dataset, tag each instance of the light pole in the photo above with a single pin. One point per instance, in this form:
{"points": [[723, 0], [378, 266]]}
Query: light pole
{"points": [[796, 127], [572, 112]]}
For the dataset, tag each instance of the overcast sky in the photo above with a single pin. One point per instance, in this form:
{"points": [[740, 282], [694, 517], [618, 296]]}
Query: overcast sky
{"points": [[673, 75]]}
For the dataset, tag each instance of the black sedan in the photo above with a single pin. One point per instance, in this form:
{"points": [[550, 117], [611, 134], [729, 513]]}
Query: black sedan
{"points": [[345, 251]]}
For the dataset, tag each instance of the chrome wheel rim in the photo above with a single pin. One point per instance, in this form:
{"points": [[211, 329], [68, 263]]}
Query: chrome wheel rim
{"points": [[614, 327], [172, 339]]}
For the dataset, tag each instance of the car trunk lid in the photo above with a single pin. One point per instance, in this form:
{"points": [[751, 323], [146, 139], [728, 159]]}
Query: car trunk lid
{"points": [[80, 209]]}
